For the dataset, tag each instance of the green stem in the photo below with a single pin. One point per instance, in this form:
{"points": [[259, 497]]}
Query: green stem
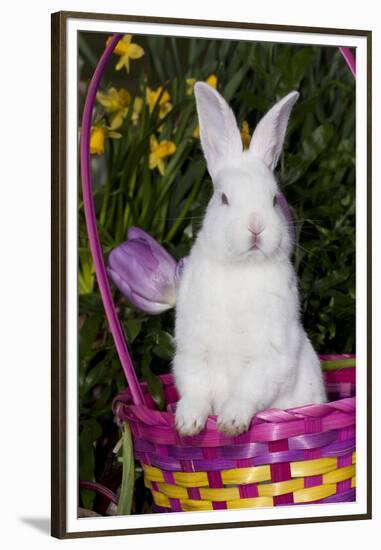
{"points": [[127, 211], [119, 235], [128, 477], [105, 200]]}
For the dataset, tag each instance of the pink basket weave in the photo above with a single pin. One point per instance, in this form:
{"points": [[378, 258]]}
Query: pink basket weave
{"points": [[286, 457], [295, 456]]}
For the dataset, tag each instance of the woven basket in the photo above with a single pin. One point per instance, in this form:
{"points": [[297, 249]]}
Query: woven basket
{"points": [[294, 456]]}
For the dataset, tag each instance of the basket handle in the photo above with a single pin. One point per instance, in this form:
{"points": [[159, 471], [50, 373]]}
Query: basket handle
{"points": [[91, 224], [349, 59]]}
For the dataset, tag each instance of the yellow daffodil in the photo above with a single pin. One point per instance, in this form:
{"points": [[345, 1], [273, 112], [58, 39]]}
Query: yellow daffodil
{"points": [[245, 134], [212, 80], [115, 102], [136, 110], [126, 50], [190, 85], [196, 132], [98, 137], [97, 141], [160, 151], [165, 105]]}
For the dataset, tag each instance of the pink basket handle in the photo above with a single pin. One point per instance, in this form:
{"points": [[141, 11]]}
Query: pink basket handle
{"points": [[91, 224], [350, 60], [94, 242]]}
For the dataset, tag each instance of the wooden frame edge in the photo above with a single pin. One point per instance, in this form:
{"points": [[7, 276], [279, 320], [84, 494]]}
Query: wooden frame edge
{"points": [[58, 276], [210, 22]]}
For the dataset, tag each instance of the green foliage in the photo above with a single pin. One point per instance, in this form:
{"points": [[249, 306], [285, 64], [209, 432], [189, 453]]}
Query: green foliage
{"points": [[316, 173]]}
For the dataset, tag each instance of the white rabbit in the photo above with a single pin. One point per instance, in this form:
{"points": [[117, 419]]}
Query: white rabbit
{"points": [[240, 344]]}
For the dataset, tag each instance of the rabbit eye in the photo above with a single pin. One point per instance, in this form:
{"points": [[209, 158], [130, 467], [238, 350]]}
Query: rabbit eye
{"points": [[224, 199], [275, 200]]}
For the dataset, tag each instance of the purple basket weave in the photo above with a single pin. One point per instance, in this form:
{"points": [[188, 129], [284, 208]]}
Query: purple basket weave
{"points": [[286, 456], [290, 456]]}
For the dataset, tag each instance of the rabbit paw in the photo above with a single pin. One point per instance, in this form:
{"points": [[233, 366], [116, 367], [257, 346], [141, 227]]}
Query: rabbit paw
{"points": [[234, 418], [190, 416]]}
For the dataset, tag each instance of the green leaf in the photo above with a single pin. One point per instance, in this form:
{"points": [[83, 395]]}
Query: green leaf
{"points": [[318, 141], [128, 476], [98, 373], [231, 88], [90, 303], [87, 334], [91, 431], [133, 327], [155, 387], [165, 347]]}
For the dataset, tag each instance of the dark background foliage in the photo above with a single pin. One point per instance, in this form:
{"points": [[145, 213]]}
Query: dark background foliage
{"points": [[316, 173]]}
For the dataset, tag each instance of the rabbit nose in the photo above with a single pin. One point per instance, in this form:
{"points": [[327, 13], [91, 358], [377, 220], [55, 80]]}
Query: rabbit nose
{"points": [[255, 234], [254, 238], [256, 225]]}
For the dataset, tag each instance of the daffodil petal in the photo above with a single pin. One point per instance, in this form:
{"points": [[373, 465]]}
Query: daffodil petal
{"points": [[135, 51], [161, 166], [127, 38], [164, 110], [171, 148], [153, 143], [212, 81], [116, 121], [165, 97], [97, 141], [196, 132], [152, 161], [102, 99], [124, 61], [190, 85]]}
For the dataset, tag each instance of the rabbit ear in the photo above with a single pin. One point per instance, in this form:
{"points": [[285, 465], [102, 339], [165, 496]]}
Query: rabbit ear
{"points": [[268, 138], [219, 133]]}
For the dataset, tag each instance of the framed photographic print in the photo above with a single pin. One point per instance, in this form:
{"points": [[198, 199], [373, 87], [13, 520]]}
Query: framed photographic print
{"points": [[211, 293]]}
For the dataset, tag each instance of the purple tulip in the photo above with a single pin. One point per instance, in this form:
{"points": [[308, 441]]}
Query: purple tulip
{"points": [[144, 272]]}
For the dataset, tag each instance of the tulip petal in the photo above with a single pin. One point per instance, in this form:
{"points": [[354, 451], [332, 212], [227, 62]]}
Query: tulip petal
{"points": [[160, 253], [133, 261], [144, 272], [147, 275], [148, 306], [122, 284], [141, 251]]}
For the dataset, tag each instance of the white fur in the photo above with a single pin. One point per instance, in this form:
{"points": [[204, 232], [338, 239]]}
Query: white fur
{"points": [[240, 345]]}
